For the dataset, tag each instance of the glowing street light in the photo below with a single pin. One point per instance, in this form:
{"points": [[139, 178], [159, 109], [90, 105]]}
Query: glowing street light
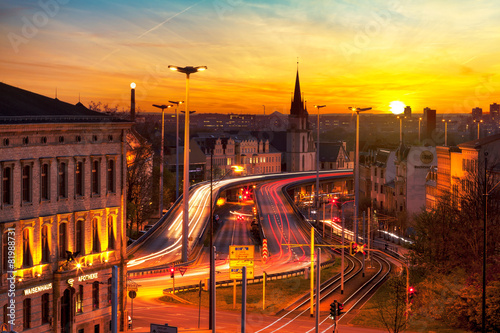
{"points": [[446, 131], [419, 121], [317, 169], [176, 103], [162, 107], [185, 222], [478, 123], [356, 164]]}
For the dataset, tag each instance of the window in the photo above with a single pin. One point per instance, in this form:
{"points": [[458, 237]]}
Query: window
{"points": [[95, 295], [79, 232], [95, 177], [95, 236], [27, 313], [26, 183], [62, 241], [79, 179], [45, 308], [45, 244], [7, 186], [5, 312], [111, 234], [79, 299], [5, 252], [111, 176], [26, 249], [110, 291], [44, 182], [62, 180]]}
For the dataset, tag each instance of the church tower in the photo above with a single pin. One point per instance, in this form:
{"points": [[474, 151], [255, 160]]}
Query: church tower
{"points": [[300, 144]]}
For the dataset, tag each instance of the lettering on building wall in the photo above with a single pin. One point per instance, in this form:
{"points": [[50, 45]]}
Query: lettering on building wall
{"points": [[87, 277], [37, 289]]}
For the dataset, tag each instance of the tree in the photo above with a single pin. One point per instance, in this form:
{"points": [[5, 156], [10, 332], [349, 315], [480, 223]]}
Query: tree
{"points": [[391, 310], [139, 181]]}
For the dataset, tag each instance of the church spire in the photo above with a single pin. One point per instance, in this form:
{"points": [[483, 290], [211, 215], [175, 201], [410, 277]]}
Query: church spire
{"points": [[297, 107]]}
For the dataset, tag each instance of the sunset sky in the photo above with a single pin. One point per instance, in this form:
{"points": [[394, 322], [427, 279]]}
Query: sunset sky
{"points": [[436, 53]]}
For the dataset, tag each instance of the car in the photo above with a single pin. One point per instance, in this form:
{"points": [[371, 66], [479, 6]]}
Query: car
{"points": [[240, 218]]}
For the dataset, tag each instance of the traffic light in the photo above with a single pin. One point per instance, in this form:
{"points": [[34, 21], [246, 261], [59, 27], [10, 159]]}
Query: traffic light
{"points": [[172, 270], [353, 248], [333, 309], [411, 292], [340, 308]]}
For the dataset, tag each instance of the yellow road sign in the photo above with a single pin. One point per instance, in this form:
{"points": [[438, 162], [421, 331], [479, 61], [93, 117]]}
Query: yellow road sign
{"points": [[241, 252], [236, 273], [241, 263]]}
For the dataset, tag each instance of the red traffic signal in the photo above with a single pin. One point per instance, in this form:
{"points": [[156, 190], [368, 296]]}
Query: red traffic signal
{"points": [[172, 270], [353, 248]]}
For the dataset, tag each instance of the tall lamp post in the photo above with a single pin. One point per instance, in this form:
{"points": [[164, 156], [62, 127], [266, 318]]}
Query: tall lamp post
{"points": [[445, 131], [419, 121], [185, 222], [478, 130], [176, 103], [162, 107], [356, 163], [317, 169], [211, 308]]}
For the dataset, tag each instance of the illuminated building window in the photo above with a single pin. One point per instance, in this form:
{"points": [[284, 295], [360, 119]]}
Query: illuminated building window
{"points": [[111, 234], [26, 183], [79, 179], [45, 244], [79, 299], [7, 186], [45, 308], [95, 177], [27, 313], [111, 176], [95, 295], [95, 236], [44, 182], [62, 241], [27, 261], [79, 232], [62, 180]]}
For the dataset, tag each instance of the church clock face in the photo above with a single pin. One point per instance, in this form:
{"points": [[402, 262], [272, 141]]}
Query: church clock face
{"points": [[426, 157]]}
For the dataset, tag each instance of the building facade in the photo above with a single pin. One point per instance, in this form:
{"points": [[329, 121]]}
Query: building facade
{"points": [[62, 214]]}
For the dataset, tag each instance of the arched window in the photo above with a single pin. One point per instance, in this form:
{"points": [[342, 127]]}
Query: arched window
{"points": [[79, 234], [95, 295], [62, 241], [95, 236], [111, 234], [45, 244], [26, 184], [79, 179], [27, 262], [79, 299], [95, 177], [45, 308], [44, 182], [62, 180], [27, 313], [111, 176], [7, 186]]}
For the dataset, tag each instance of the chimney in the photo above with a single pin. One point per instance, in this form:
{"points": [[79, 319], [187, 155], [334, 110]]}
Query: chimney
{"points": [[132, 101]]}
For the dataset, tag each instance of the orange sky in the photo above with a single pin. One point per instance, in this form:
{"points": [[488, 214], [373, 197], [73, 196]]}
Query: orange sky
{"points": [[440, 54]]}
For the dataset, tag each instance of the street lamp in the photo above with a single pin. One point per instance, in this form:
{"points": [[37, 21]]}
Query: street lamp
{"points": [[356, 164], [446, 132], [176, 147], [162, 107], [478, 123], [317, 168], [211, 320], [185, 222], [419, 121]]}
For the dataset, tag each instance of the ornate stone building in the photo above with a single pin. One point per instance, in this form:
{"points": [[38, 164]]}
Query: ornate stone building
{"points": [[62, 214]]}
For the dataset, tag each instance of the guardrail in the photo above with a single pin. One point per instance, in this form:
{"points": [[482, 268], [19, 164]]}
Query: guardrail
{"points": [[257, 279]]}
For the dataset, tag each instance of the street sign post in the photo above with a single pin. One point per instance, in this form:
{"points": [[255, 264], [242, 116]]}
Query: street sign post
{"points": [[236, 273], [241, 256], [157, 328], [241, 252]]}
